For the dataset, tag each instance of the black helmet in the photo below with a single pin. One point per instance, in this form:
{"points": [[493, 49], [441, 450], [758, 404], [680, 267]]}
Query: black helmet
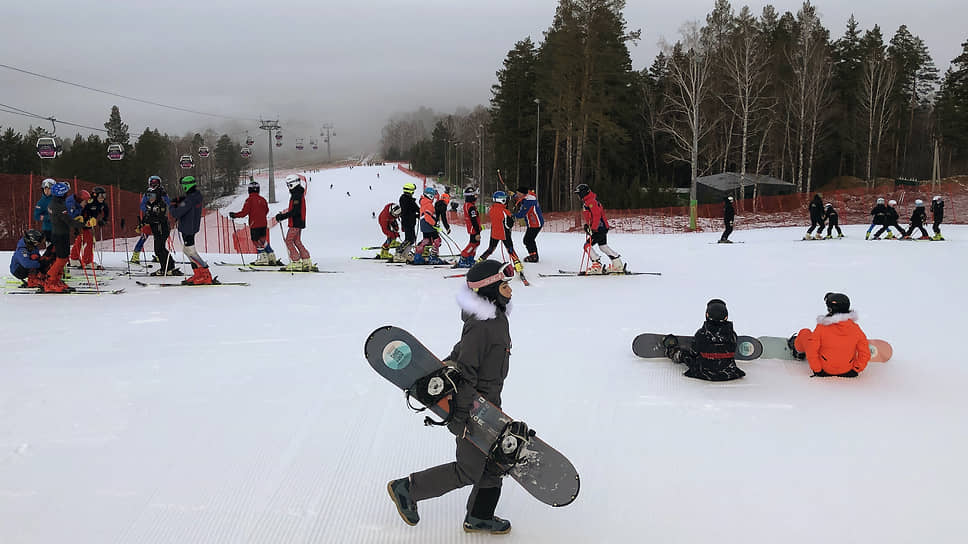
{"points": [[716, 310], [98, 191], [485, 277], [837, 303], [582, 190], [253, 187], [33, 237]]}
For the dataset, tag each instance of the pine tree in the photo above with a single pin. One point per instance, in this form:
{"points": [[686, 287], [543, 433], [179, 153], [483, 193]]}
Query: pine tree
{"points": [[117, 131]]}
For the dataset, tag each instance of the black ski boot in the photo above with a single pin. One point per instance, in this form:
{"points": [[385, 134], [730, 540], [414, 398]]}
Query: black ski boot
{"points": [[481, 518], [399, 491], [791, 343], [671, 345]]}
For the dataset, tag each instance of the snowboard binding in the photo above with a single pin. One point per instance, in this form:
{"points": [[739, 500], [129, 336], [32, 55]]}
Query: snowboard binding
{"points": [[509, 448], [798, 355], [433, 388]]}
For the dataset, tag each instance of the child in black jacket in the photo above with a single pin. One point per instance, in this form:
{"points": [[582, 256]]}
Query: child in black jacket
{"points": [[917, 220], [713, 347]]}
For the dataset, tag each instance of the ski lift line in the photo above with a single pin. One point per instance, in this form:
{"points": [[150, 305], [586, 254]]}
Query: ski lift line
{"points": [[42, 76], [26, 113]]}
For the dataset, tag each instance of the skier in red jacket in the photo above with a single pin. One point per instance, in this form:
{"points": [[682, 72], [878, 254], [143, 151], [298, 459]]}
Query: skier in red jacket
{"points": [[391, 228], [473, 223], [501, 223], [596, 227], [257, 209]]}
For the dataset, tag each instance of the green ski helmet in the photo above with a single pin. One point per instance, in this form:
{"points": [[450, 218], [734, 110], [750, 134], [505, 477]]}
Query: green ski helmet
{"points": [[187, 182]]}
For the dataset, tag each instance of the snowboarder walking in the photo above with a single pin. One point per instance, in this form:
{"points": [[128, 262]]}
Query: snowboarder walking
{"points": [[473, 224], [187, 210], [529, 209], [482, 356], [816, 218], [596, 227], [501, 223], [837, 346], [729, 213], [937, 216], [257, 210], [299, 258], [409, 211], [390, 227], [833, 221], [918, 218], [713, 347]]}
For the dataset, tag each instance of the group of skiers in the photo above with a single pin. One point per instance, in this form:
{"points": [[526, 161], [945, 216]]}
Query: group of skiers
{"points": [[257, 210], [432, 215], [883, 214]]}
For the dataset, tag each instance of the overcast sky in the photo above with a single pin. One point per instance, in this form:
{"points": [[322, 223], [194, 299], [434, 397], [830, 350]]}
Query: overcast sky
{"points": [[352, 63]]}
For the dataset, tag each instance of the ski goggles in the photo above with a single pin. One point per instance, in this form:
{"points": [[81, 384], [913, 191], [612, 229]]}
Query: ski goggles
{"points": [[506, 273]]}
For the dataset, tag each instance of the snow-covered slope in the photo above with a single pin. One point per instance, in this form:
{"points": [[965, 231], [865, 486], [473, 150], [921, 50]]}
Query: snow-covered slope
{"points": [[248, 414]]}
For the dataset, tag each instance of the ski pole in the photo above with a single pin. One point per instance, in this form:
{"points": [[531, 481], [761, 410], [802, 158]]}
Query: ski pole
{"points": [[100, 236], [127, 261], [93, 265], [283, 232], [236, 242]]}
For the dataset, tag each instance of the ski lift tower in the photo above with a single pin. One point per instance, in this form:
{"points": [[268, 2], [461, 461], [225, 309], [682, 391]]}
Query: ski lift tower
{"points": [[327, 132], [270, 127]]}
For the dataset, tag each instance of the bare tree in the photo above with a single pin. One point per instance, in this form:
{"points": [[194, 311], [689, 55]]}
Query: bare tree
{"points": [[683, 118], [877, 83], [803, 58], [745, 65]]}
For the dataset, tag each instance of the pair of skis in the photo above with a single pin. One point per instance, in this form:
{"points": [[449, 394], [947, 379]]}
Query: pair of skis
{"points": [[572, 273]]}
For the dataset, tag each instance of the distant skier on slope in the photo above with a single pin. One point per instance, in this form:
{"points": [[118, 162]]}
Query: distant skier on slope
{"points": [[430, 228], [530, 210], [837, 346], [937, 216], [833, 221], [816, 218], [918, 218], [890, 220], [596, 227], [482, 356], [501, 223], [878, 212], [729, 213], [713, 347]]}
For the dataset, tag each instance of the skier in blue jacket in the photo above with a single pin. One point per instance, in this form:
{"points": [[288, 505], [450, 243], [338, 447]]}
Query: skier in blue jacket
{"points": [[529, 209], [187, 210], [26, 263], [40, 210]]}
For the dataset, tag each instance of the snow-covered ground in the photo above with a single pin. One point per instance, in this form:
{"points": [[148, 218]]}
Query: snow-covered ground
{"points": [[248, 414]]}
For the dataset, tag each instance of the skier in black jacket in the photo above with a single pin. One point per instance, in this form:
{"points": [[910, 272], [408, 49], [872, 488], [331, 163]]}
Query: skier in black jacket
{"points": [[713, 347], [729, 213], [816, 218], [833, 221], [409, 211], [482, 356], [917, 221], [937, 214], [890, 220], [878, 212]]}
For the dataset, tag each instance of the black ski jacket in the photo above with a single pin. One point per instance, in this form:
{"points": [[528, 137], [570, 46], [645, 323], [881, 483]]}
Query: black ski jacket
{"points": [[409, 211], [878, 213], [918, 217], [60, 219], [816, 209], [830, 214], [890, 216], [714, 346], [937, 211], [728, 212], [440, 213]]}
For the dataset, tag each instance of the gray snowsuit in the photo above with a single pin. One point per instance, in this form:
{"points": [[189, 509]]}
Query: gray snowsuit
{"points": [[482, 356]]}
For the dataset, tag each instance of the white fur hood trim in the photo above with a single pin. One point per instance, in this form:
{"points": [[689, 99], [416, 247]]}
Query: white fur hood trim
{"points": [[836, 318], [477, 306]]}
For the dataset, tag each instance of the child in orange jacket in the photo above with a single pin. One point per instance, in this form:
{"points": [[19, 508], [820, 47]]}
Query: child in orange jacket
{"points": [[837, 347], [501, 223]]}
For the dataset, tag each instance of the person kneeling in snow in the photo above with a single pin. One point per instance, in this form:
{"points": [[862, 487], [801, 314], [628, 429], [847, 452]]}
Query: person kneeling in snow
{"points": [[837, 347], [713, 347]]}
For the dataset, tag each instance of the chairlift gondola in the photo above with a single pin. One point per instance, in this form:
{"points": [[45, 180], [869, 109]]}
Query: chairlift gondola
{"points": [[48, 148], [115, 152], [314, 144], [278, 136], [186, 162], [249, 142], [278, 143], [203, 151], [245, 153], [299, 144]]}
